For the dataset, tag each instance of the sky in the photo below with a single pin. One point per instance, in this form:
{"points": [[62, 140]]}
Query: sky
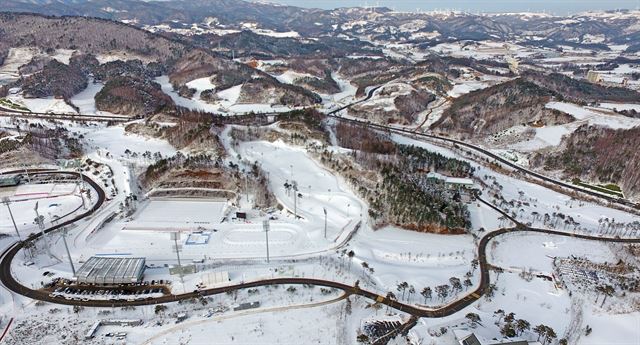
{"points": [[558, 7]]}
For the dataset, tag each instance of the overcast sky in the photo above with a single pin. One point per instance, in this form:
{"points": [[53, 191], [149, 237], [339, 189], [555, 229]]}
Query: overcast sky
{"points": [[559, 7]]}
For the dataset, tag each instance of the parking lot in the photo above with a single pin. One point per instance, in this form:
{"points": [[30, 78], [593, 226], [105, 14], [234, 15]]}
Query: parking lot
{"points": [[66, 289]]}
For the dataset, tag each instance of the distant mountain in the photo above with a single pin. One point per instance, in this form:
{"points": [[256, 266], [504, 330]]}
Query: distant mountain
{"points": [[379, 23], [109, 50]]}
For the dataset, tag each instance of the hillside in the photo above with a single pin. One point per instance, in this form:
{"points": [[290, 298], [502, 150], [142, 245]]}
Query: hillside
{"points": [[55, 79], [598, 154], [499, 107], [580, 91], [257, 86], [132, 96], [89, 35]]}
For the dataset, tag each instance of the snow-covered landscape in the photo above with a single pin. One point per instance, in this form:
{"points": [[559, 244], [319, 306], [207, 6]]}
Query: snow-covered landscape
{"points": [[258, 173]]}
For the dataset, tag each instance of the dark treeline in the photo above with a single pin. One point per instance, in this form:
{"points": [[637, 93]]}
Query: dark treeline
{"points": [[407, 195]]}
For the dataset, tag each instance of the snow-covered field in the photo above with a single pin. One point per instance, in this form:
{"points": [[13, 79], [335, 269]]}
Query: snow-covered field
{"points": [[421, 260], [320, 189], [42, 105], [116, 141], [53, 204]]}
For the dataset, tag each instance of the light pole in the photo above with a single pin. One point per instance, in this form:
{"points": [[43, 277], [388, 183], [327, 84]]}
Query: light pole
{"points": [[325, 222], [66, 246], [175, 236], [265, 226], [26, 172], [80, 188], [246, 186], [295, 200], [40, 221], [6, 201]]}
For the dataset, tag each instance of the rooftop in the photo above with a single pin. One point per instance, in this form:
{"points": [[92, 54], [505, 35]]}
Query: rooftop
{"points": [[111, 270]]}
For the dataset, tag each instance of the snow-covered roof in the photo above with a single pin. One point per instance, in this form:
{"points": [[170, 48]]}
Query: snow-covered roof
{"points": [[458, 180], [110, 270]]}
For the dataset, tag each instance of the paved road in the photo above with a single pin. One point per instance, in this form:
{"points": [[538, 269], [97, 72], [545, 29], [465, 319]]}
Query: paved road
{"points": [[71, 117], [9, 281], [249, 119]]}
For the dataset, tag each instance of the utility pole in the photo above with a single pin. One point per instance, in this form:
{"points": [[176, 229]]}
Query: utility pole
{"points": [[325, 222], [295, 200], [66, 246], [6, 201], [265, 226]]}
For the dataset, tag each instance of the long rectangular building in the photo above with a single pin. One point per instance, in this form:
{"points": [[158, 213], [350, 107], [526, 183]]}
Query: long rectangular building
{"points": [[108, 270]]}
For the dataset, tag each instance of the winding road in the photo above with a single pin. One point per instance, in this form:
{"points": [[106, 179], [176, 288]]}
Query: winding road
{"points": [[7, 279]]}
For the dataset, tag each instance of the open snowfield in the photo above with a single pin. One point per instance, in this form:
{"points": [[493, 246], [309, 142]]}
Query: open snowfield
{"points": [[521, 251], [42, 105], [114, 139], [85, 100], [594, 117], [537, 301], [290, 76], [420, 259], [318, 186], [56, 201], [465, 87], [612, 329], [285, 325], [197, 211], [182, 101], [620, 106]]}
